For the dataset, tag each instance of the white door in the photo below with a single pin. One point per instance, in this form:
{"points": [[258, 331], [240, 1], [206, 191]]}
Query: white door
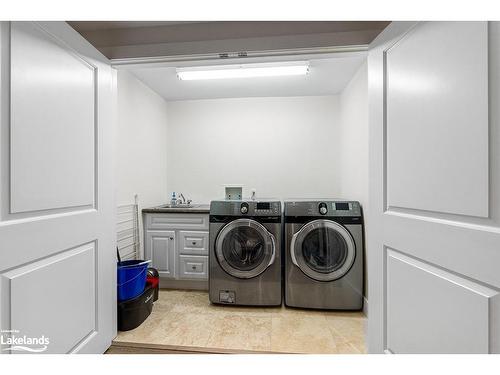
{"points": [[434, 225], [57, 256]]}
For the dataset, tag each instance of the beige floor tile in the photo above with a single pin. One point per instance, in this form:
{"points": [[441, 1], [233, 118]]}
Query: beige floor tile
{"points": [[190, 302], [300, 333], [359, 344], [299, 312], [346, 348], [345, 314], [140, 334], [179, 329], [254, 311], [349, 327], [187, 319], [240, 332], [198, 302]]}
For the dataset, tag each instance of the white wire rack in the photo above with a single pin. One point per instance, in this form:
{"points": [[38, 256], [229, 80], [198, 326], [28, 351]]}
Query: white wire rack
{"points": [[127, 230]]}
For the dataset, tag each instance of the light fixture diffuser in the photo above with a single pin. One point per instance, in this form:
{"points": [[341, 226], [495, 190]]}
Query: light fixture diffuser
{"points": [[288, 68]]}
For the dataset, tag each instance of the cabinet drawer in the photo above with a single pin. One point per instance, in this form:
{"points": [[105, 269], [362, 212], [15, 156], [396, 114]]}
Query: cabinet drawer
{"points": [[193, 267], [177, 221], [193, 243]]}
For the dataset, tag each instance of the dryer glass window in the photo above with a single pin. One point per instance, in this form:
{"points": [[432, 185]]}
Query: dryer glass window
{"points": [[244, 248], [324, 250]]}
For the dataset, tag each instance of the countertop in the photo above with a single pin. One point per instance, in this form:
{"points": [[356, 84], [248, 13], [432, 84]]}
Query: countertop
{"points": [[196, 209]]}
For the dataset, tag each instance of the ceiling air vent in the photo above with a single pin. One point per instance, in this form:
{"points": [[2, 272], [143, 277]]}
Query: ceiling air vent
{"points": [[227, 55]]}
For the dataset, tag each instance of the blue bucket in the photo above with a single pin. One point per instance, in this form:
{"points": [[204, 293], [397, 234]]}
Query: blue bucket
{"points": [[131, 278]]}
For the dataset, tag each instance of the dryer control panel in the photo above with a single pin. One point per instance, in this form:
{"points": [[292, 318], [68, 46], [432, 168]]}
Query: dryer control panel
{"points": [[326, 208]]}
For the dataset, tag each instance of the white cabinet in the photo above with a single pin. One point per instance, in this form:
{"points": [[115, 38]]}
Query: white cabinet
{"points": [[183, 221], [193, 267], [177, 244], [160, 248], [193, 243]]}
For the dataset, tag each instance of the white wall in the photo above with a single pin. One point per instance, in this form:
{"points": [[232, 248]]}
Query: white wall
{"points": [[354, 138], [283, 147], [141, 143], [141, 148]]}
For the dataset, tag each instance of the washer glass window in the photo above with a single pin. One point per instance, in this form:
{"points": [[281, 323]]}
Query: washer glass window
{"points": [[243, 248]]}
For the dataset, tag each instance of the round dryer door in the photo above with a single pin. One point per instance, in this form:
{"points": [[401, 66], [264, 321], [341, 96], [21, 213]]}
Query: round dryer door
{"points": [[245, 248], [324, 250]]}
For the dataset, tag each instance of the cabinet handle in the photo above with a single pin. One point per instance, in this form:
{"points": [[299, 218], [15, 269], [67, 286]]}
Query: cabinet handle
{"points": [[171, 238], [194, 243], [193, 267]]}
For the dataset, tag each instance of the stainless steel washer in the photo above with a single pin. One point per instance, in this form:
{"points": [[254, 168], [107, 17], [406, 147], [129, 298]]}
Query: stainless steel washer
{"points": [[245, 253], [324, 254]]}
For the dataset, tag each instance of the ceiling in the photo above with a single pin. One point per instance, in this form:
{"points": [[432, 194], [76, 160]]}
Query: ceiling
{"points": [[120, 40], [137, 45], [82, 26], [327, 76]]}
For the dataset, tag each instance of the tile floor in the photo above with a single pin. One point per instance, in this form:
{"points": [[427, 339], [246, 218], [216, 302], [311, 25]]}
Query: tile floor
{"points": [[186, 320]]}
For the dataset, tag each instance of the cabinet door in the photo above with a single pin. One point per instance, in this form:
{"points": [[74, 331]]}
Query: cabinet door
{"points": [[160, 248]]}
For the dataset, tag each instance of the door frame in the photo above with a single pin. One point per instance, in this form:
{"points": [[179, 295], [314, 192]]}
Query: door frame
{"points": [[376, 197]]}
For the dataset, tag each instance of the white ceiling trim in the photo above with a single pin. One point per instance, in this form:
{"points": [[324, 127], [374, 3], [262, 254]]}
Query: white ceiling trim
{"points": [[235, 57]]}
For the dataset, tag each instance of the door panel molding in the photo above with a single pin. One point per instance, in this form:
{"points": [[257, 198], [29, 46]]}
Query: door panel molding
{"points": [[432, 241], [438, 81], [31, 189], [440, 310], [65, 283]]}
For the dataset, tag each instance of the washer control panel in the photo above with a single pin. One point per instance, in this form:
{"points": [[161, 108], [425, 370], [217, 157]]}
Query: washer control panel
{"points": [[246, 208]]}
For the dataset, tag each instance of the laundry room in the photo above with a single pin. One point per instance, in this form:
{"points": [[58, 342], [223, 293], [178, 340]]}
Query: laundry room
{"points": [[278, 187], [271, 128]]}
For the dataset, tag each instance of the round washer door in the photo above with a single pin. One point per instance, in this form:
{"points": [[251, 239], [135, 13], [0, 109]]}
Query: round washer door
{"points": [[245, 248], [324, 250]]}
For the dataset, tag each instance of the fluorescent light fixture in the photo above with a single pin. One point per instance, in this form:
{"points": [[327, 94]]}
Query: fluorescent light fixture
{"points": [[288, 68]]}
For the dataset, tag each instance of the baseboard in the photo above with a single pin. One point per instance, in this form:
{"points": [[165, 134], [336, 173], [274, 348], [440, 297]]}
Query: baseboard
{"points": [[365, 306]]}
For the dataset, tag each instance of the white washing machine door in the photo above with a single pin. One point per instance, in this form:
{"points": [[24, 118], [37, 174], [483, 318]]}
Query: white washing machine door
{"points": [[323, 249], [245, 248]]}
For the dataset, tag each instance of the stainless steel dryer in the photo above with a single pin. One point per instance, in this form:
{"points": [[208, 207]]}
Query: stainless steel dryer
{"points": [[324, 254], [244, 255]]}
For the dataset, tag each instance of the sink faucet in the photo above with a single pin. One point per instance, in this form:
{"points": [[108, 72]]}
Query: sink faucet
{"points": [[183, 199]]}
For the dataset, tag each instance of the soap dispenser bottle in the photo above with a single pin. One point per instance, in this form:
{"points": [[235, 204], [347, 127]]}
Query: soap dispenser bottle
{"points": [[173, 200]]}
